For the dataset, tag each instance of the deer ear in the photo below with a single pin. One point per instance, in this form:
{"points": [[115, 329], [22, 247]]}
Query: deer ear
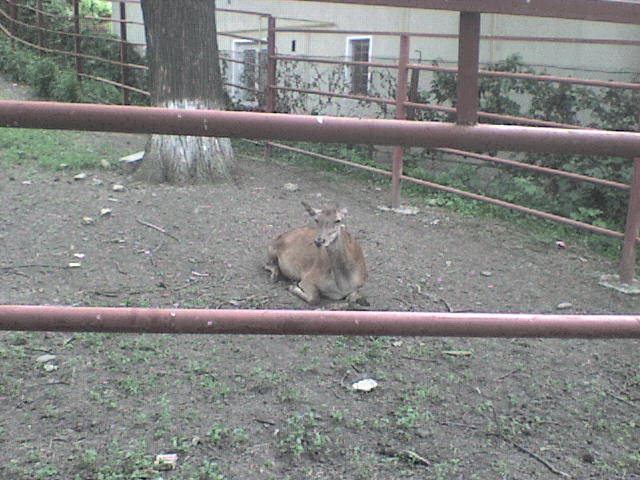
{"points": [[312, 211]]}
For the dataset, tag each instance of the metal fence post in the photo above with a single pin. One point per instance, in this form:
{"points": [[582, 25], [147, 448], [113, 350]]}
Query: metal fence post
{"points": [[401, 98], [628, 257], [13, 16], [76, 30], [269, 85], [468, 62], [123, 52], [40, 18]]}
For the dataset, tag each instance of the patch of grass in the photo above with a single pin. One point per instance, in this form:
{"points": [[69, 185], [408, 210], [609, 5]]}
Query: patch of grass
{"points": [[304, 435], [54, 149]]}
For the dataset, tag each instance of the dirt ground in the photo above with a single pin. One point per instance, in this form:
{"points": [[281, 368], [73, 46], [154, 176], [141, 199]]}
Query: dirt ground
{"points": [[270, 407]]}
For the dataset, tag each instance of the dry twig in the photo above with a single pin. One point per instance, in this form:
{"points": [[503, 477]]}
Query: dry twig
{"points": [[159, 229], [539, 459]]}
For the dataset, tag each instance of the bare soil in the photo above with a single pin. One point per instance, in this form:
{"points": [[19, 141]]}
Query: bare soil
{"points": [[271, 407]]}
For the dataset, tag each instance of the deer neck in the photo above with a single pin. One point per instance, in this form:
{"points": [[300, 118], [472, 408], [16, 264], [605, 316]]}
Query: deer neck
{"points": [[342, 265]]}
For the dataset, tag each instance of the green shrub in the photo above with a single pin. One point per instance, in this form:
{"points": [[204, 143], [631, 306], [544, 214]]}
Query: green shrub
{"points": [[41, 75], [67, 88]]}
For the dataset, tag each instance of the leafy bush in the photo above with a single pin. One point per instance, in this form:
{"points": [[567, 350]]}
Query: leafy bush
{"points": [[42, 76], [67, 88], [24, 66]]}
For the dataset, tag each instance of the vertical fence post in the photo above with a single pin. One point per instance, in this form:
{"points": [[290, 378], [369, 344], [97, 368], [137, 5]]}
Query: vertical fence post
{"points": [[269, 85], [413, 92], [123, 52], [76, 30], [628, 257], [13, 16], [40, 17], [468, 61], [401, 98]]}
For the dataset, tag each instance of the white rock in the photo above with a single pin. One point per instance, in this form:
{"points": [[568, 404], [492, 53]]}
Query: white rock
{"points": [[402, 209], [45, 358], [365, 385]]}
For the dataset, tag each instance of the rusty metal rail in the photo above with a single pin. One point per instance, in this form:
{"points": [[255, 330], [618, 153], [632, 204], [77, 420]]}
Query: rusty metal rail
{"points": [[268, 126], [315, 322]]}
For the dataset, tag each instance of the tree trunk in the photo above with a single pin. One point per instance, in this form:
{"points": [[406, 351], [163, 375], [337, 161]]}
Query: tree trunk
{"points": [[182, 52]]}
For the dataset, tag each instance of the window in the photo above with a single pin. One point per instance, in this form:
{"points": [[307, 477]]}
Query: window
{"points": [[249, 74], [358, 50]]}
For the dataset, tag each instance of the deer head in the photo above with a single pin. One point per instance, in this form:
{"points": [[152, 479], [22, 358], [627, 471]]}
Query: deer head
{"points": [[329, 222]]}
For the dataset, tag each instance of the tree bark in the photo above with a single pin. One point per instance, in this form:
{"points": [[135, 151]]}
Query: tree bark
{"points": [[184, 72]]}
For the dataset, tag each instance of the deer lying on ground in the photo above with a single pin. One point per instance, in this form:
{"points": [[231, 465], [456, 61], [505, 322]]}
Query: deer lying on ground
{"points": [[324, 260]]}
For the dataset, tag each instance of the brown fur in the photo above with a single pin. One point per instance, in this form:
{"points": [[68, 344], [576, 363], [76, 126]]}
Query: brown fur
{"points": [[324, 260]]}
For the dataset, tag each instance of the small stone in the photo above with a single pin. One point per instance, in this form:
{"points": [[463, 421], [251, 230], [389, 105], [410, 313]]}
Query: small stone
{"points": [[564, 306], [118, 188], [88, 221], [291, 187], [74, 265], [80, 176], [105, 163], [104, 212], [45, 358], [486, 273]]}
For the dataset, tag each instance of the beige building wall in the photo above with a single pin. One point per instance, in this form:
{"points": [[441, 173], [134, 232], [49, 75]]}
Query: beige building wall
{"points": [[591, 60]]}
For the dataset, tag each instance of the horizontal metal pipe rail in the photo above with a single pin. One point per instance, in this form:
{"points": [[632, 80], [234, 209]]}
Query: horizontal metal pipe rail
{"points": [[423, 106], [333, 61], [350, 96], [615, 11], [454, 36], [315, 322], [537, 168], [482, 73], [64, 52], [531, 76], [269, 126]]}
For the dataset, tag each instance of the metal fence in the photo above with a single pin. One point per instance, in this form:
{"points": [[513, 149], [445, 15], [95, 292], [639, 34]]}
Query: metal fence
{"points": [[463, 136]]}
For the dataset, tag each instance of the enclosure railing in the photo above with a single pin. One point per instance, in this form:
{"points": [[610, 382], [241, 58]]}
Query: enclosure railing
{"points": [[315, 322], [466, 111]]}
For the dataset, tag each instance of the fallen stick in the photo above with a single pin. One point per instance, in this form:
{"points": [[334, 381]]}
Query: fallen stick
{"points": [[539, 459], [159, 229], [415, 457]]}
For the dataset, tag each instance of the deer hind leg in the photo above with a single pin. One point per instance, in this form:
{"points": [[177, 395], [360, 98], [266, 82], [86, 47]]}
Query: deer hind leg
{"points": [[306, 291]]}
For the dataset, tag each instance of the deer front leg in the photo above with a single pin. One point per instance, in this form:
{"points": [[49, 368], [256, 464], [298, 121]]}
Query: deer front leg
{"points": [[306, 291], [355, 298], [272, 267]]}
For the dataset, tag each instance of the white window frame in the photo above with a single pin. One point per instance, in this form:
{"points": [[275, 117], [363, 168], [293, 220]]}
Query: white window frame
{"points": [[236, 72]]}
